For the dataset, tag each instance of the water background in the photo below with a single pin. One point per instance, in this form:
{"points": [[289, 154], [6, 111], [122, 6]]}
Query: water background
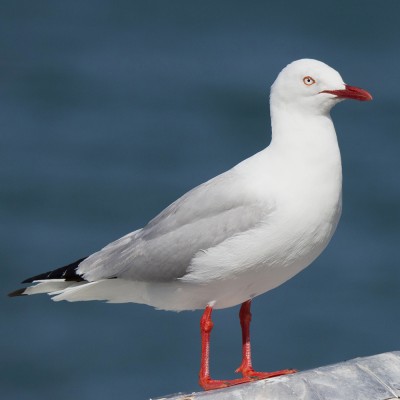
{"points": [[110, 110]]}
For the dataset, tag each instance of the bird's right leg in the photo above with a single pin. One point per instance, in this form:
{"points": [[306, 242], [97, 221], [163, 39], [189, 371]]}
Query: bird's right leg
{"points": [[246, 367]]}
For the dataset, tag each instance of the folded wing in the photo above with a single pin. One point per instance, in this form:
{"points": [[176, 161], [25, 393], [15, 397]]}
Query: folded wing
{"points": [[163, 249]]}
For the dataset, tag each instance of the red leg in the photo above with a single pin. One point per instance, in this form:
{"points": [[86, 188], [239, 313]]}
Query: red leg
{"points": [[205, 380], [246, 367]]}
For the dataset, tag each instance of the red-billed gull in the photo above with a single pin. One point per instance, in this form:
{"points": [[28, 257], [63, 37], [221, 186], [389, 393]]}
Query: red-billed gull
{"points": [[238, 235]]}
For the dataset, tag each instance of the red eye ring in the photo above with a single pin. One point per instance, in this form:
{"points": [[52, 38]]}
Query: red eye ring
{"points": [[308, 80]]}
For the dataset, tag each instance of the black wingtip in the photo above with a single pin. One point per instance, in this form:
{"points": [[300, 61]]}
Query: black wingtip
{"points": [[16, 293], [67, 272]]}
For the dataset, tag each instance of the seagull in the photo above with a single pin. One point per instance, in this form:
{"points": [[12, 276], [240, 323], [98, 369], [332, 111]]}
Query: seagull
{"points": [[237, 235]]}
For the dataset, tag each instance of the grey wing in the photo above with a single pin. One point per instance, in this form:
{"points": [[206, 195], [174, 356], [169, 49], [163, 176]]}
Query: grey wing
{"points": [[164, 248]]}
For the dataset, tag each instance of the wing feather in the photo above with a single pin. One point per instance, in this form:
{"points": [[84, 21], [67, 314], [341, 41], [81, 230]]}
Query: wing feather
{"points": [[163, 249]]}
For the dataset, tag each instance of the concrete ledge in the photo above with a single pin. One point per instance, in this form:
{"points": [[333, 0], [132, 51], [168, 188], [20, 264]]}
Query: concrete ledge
{"points": [[367, 378]]}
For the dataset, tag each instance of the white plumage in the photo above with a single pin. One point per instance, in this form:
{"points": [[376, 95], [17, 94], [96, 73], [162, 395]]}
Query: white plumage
{"points": [[243, 232]]}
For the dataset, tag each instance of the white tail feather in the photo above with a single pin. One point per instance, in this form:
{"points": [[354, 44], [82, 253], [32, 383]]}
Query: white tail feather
{"points": [[50, 286]]}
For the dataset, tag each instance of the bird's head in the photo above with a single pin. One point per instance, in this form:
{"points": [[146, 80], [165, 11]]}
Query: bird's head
{"points": [[310, 86]]}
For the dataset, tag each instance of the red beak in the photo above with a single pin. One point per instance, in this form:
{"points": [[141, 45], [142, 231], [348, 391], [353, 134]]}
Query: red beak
{"points": [[350, 92]]}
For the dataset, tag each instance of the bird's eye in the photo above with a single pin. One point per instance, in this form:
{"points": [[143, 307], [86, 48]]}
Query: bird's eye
{"points": [[308, 80]]}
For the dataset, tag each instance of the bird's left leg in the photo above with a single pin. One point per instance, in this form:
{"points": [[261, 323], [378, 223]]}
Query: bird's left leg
{"points": [[246, 367]]}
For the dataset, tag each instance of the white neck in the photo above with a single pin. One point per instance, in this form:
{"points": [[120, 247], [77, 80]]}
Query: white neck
{"points": [[293, 129], [306, 152]]}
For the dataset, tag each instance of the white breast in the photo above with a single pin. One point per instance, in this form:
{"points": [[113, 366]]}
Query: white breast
{"points": [[302, 185]]}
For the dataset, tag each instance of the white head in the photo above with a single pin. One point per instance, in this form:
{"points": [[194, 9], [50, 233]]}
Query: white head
{"points": [[312, 87]]}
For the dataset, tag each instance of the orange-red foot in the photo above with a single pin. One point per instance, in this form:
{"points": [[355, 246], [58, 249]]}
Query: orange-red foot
{"points": [[248, 375], [249, 372], [209, 384]]}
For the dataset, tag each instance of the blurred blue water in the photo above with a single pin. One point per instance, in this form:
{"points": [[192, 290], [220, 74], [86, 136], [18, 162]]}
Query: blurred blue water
{"points": [[111, 110]]}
